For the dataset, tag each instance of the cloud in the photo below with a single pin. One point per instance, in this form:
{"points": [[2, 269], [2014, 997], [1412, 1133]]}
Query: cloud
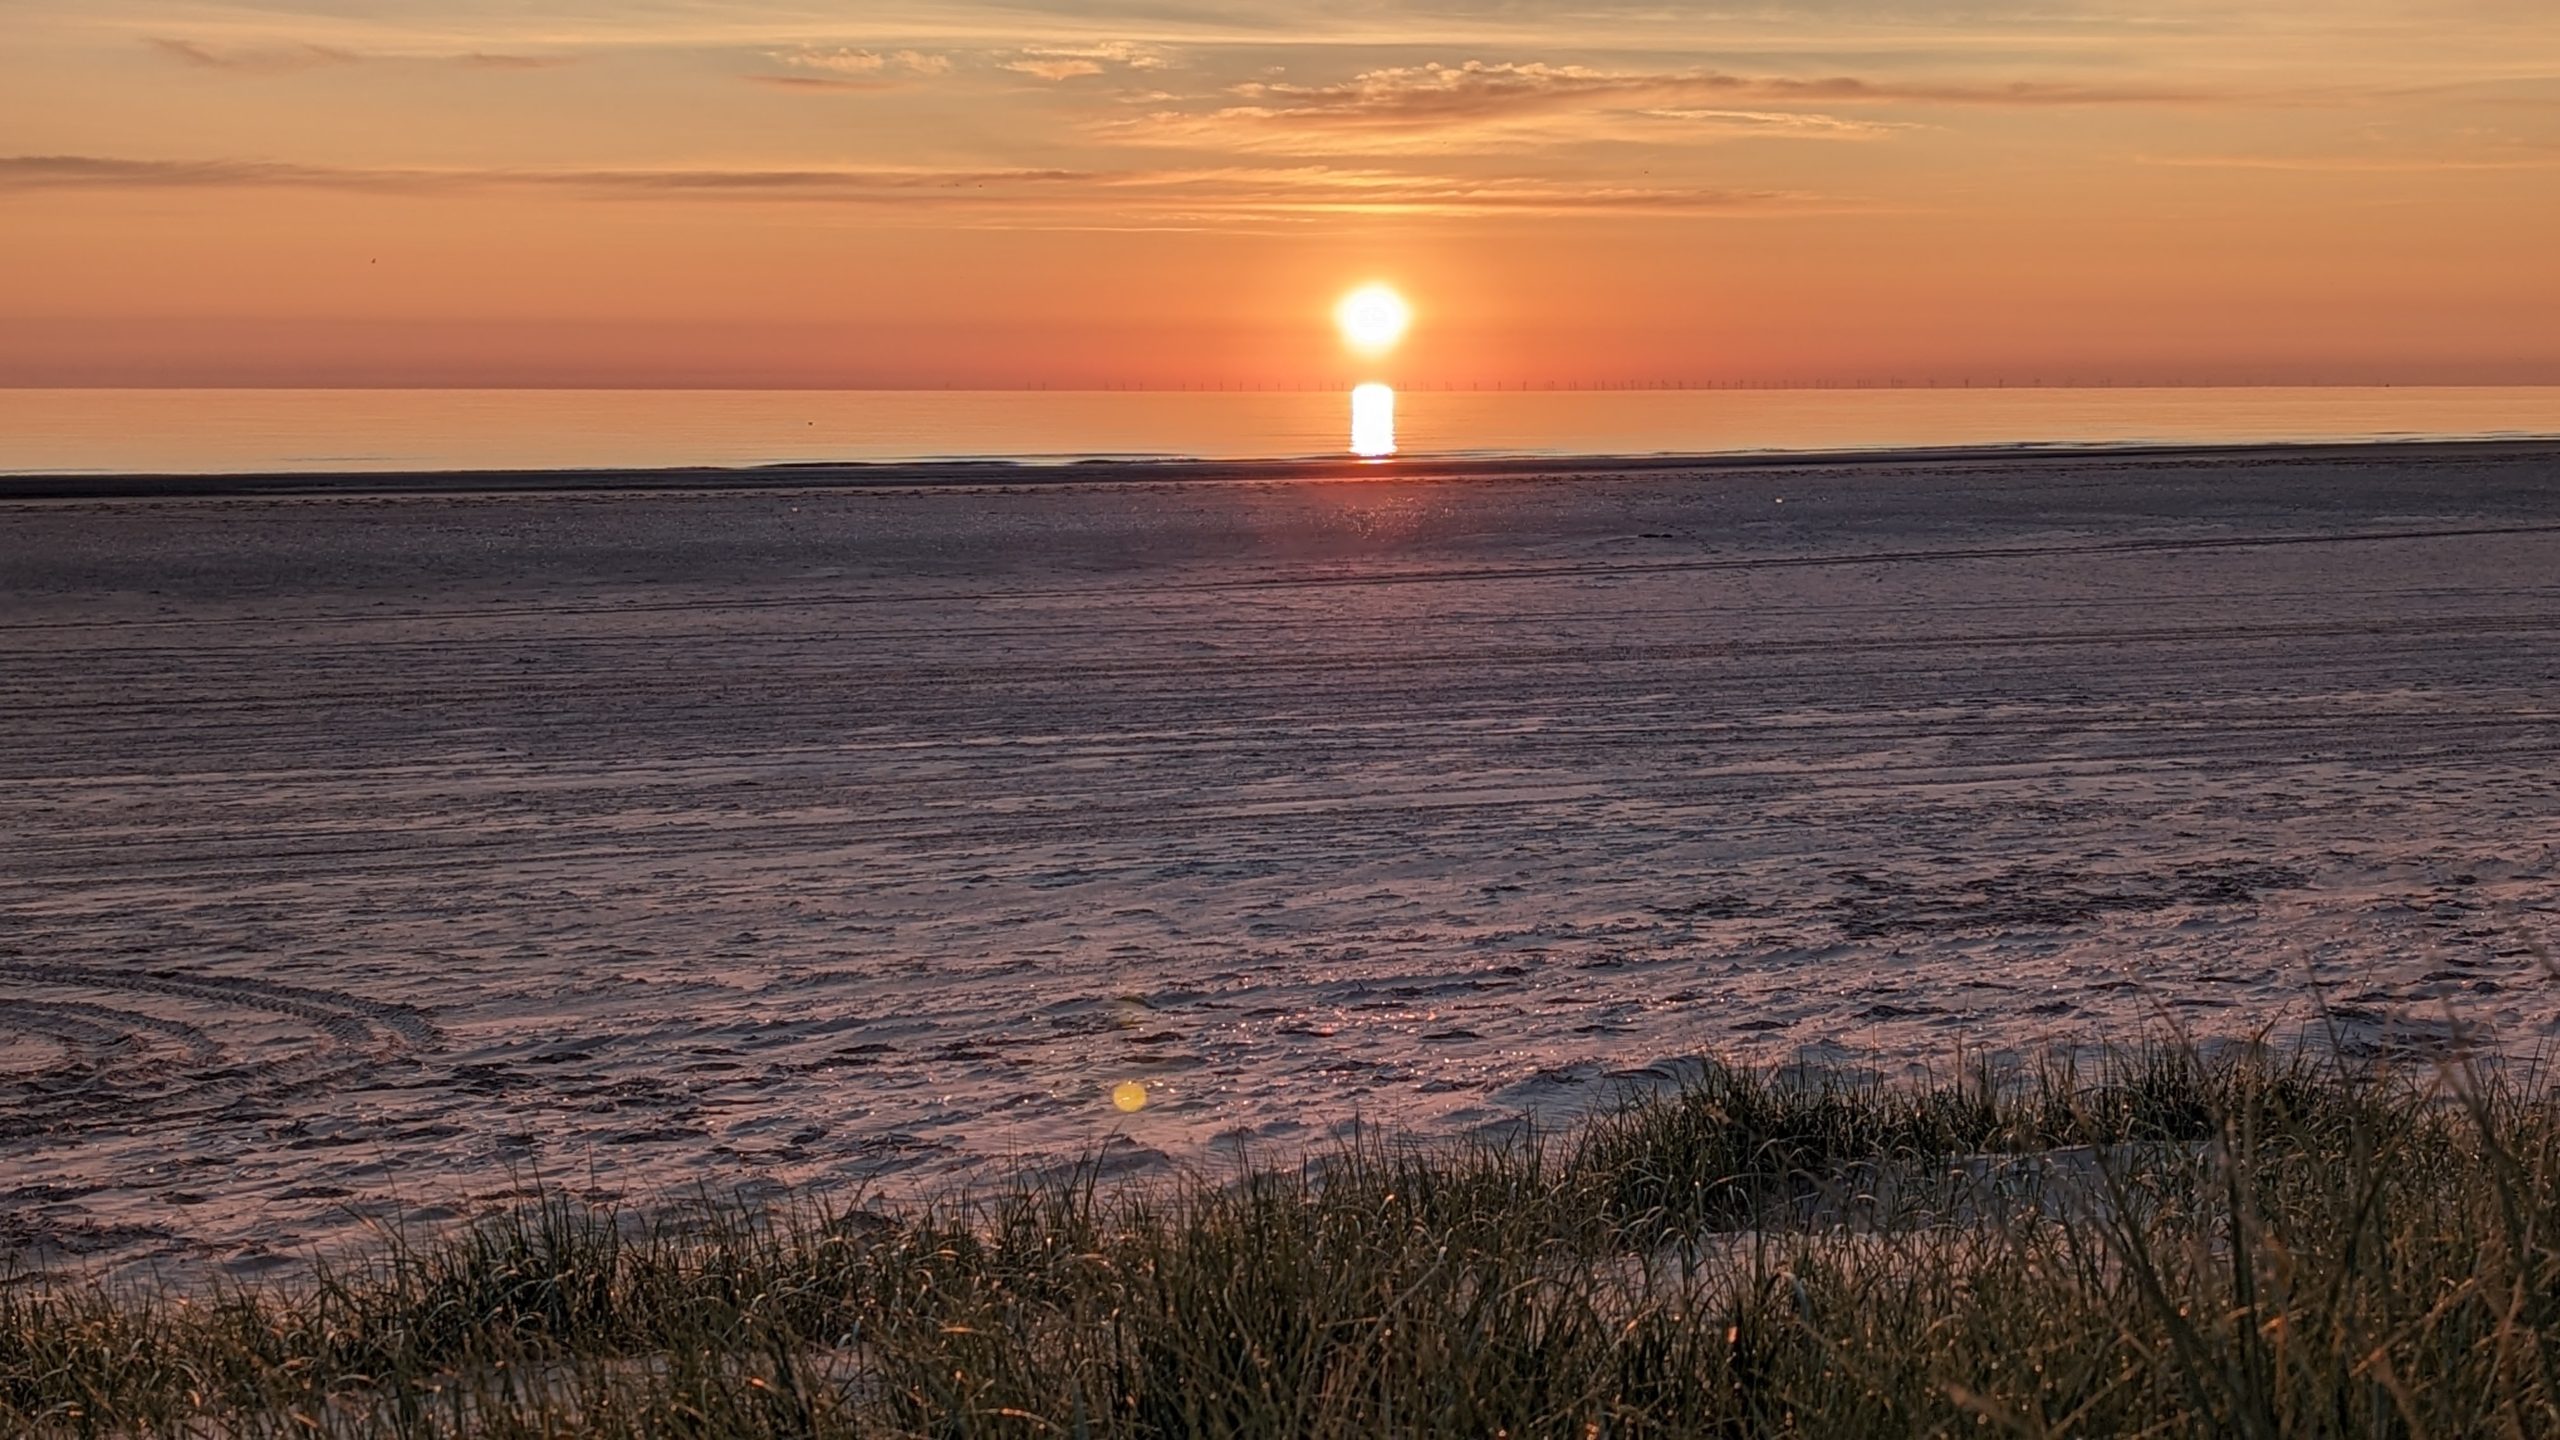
{"points": [[1322, 190], [819, 82], [2360, 164], [270, 59], [38, 172], [1142, 197], [841, 62], [280, 59], [1426, 94], [1058, 69], [1806, 124], [850, 69], [2033, 94], [478, 60], [33, 172], [1125, 54], [846, 61], [1067, 62], [1438, 106], [848, 184]]}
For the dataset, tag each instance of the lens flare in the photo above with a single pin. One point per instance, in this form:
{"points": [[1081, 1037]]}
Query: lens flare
{"points": [[1130, 1096], [1373, 318], [1373, 422]]}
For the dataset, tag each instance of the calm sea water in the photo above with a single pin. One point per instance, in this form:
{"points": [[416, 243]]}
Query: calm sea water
{"points": [[204, 431]]}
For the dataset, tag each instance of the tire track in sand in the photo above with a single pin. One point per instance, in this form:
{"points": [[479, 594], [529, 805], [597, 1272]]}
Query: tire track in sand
{"points": [[125, 1064]]}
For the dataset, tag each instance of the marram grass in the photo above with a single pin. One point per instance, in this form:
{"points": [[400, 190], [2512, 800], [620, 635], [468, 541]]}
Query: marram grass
{"points": [[2255, 1243]]}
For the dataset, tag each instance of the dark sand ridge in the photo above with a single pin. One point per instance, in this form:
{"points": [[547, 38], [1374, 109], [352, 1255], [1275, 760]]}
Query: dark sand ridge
{"points": [[375, 844]]}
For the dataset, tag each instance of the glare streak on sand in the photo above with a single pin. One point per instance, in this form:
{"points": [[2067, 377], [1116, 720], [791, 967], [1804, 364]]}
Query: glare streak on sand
{"points": [[397, 849]]}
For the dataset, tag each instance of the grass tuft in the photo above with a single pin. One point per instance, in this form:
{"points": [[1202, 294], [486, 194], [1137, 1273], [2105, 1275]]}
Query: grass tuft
{"points": [[2154, 1241]]}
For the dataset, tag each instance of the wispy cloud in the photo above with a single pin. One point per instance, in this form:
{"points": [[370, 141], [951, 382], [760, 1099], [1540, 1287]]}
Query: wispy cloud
{"points": [[282, 59], [1434, 93], [1320, 190], [1149, 196], [842, 68], [1068, 62], [846, 61], [1061, 68], [2519, 159], [1800, 124], [29, 172], [275, 58], [479, 60], [1438, 106], [820, 82], [841, 62]]}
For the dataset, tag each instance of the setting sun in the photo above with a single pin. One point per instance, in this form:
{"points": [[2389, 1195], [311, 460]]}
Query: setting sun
{"points": [[1373, 318]]}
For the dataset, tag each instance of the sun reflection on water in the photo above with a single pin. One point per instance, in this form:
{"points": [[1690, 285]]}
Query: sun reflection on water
{"points": [[1373, 422]]}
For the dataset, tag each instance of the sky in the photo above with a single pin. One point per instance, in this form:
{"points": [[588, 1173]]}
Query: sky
{"points": [[1152, 192]]}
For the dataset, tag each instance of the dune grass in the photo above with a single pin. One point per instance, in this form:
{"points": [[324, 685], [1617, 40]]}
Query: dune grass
{"points": [[2161, 1242]]}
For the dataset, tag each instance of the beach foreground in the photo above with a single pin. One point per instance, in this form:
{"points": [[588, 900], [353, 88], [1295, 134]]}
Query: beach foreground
{"points": [[2147, 1241], [377, 858]]}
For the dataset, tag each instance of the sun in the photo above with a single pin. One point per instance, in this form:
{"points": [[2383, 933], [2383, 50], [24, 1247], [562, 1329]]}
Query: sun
{"points": [[1373, 318]]}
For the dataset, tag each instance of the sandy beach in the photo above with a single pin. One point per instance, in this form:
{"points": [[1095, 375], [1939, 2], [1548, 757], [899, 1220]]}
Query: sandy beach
{"points": [[370, 852]]}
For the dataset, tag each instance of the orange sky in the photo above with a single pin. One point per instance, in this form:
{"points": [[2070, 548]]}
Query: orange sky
{"points": [[563, 192]]}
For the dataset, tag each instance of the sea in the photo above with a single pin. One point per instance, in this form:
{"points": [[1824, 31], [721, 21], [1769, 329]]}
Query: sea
{"points": [[234, 431]]}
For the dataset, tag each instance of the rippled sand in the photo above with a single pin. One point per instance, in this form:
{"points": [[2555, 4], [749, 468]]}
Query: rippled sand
{"points": [[368, 858]]}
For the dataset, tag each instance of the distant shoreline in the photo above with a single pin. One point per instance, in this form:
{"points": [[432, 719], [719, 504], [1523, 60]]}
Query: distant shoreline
{"points": [[906, 475]]}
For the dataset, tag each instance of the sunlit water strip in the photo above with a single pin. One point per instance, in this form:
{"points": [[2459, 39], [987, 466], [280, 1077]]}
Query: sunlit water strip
{"points": [[207, 431], [1373, 422]]}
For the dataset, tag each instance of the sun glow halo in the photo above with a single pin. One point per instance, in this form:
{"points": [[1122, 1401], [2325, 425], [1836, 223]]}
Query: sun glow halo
{"points": [[1373, 318]]}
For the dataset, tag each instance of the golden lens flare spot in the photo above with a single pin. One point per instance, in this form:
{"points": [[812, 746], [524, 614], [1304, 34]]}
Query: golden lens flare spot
{"points": [[1130, 1096], [1373, 422], [1373, 318]]}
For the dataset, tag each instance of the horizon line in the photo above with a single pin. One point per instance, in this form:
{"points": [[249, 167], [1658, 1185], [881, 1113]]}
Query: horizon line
{"points": [[1508, 387]]}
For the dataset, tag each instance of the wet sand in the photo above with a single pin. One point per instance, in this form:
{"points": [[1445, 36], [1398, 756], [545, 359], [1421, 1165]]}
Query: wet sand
{"points": [[372, 851]]}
